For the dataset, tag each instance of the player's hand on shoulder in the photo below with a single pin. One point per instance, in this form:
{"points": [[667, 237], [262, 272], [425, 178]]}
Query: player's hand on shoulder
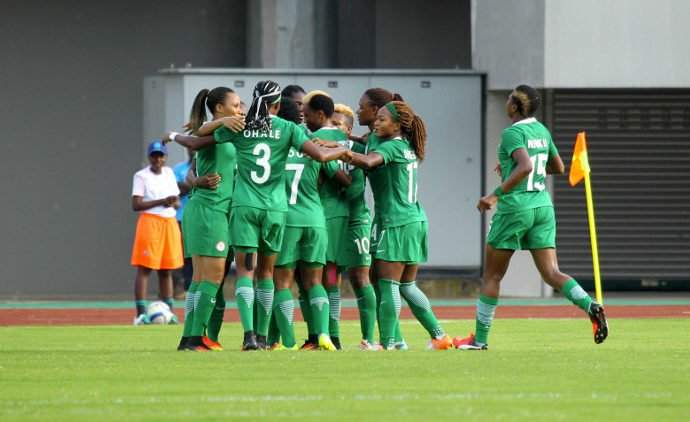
{"points": [[487, 202], [326, 144], [208, 181], [234, 123]]}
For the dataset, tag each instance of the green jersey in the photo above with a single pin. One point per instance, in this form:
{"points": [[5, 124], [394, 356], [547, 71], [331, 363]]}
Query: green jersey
{"points": [[261, 158], [302, 188], [359, 211], [394, 184], [221, 159], [531, 192], [333, 197]]}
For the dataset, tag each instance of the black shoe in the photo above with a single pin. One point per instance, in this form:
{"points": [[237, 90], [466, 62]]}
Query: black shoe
{"points": [[261, 342], [599, 325], [183, 343], [336, 342], [195, 344], [249, 342]]}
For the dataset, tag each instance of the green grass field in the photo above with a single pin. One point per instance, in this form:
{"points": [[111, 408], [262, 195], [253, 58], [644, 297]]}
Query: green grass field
{"points": [[536, 370]]}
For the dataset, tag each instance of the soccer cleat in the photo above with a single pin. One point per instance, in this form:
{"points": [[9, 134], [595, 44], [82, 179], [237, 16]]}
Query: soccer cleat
{"points": [[195, 344], [213, 345], [142, 319], [401, 345], [443, 343], [600, 327], [365, 346], [336, 342], [278, 347], [309, 345], [249, 342], [261, 342], [325, 343], [183, 343], [469, 343]]}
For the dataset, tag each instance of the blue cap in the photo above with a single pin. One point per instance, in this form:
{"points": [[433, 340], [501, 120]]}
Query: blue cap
{"points": [[157, 146]]}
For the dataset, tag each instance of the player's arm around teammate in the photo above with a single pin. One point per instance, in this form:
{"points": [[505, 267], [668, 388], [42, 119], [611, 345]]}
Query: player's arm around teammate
{"points": [[404, 228], [525, 217]]}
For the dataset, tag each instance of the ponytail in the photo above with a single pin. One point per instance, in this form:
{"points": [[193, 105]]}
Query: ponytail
{"points": [[411, 125], [197, 116], [206, 100]]}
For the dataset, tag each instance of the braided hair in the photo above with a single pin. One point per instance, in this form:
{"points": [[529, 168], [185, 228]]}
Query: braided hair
{"points": [[265, 94], [411, 125]]}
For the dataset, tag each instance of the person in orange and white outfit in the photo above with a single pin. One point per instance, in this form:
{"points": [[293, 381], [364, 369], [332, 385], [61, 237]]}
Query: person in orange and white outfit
{"points": [[157, 242]]}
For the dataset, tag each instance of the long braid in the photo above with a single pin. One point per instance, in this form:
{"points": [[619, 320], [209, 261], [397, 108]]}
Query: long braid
{"points": [[265, 94], [412, 126]]}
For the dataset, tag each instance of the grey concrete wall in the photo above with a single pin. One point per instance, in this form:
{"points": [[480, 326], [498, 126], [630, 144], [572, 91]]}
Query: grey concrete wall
{"points": [[509, 41], [71, 116]]}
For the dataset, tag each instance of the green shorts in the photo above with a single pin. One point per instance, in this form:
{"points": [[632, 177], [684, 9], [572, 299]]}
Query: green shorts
{"points": [[337, 235], [253, 229], [305, 244], [528, 229], [408, 243], [205, 231], [358, 246]]}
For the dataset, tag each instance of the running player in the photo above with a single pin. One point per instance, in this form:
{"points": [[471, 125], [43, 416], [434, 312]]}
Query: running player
{"points": [[206, 225], [259, 203], [403, 230], [525, 218], [357, 241]]}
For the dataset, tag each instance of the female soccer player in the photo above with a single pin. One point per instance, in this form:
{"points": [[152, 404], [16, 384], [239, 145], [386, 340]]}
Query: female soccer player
{"points": [[402, 235], [259, 203], [206, 225], [357, 241], [157, 242], [525, 217]]}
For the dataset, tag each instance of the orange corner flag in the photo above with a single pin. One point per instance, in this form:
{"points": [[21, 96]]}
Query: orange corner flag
{"points": [[580, 163]]}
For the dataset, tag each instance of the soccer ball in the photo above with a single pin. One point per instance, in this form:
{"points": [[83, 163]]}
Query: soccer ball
{"points": [[159, 313]]}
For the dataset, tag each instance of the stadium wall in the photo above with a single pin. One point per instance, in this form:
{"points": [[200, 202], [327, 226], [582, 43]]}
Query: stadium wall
{"points": [[71, 117]]}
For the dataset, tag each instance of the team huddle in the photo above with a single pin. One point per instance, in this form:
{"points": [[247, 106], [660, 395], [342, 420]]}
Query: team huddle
{"points": [[287, 203]]}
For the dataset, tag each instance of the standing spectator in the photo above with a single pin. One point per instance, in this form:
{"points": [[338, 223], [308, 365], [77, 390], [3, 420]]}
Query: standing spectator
{"points": [[183, 278], [157, 242]]}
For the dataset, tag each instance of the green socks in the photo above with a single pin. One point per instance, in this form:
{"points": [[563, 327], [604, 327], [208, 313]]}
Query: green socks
{"points": [[576, 294], [141, 306], [366, 302], [264, 299], [389, 311], [216, 320], [284, 311], [206, 301], [170, 302], [334, 311], [305, 307], [318, 303], [273, 336], [421, 308], [486, 309], [244, 294], [189, 303]]}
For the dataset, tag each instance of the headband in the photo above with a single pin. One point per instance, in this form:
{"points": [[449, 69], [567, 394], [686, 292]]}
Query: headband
{"points": [[394, 112]]}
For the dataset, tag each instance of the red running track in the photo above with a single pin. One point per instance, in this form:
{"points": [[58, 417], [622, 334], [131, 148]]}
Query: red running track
{"points": [[125, 316]]}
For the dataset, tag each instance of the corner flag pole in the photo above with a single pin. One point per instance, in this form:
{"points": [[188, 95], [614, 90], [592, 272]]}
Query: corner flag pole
{"points": [[579, 169]]}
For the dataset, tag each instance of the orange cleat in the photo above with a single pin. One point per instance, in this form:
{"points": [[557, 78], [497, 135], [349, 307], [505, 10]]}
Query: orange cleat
{"points": [[212, 345], [443, 343]]}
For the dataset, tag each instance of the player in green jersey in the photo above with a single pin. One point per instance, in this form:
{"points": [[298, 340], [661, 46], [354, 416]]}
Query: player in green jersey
{"points": [[259, 204], [205, 227], [402, 234], [357, 240], [524, 217], [296, 94]]}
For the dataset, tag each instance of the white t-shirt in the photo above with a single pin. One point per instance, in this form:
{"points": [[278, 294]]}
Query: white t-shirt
{"points": [[152, 186]]}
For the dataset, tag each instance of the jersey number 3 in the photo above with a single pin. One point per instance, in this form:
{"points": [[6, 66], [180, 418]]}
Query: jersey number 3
{"points": [[263, 151]]}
